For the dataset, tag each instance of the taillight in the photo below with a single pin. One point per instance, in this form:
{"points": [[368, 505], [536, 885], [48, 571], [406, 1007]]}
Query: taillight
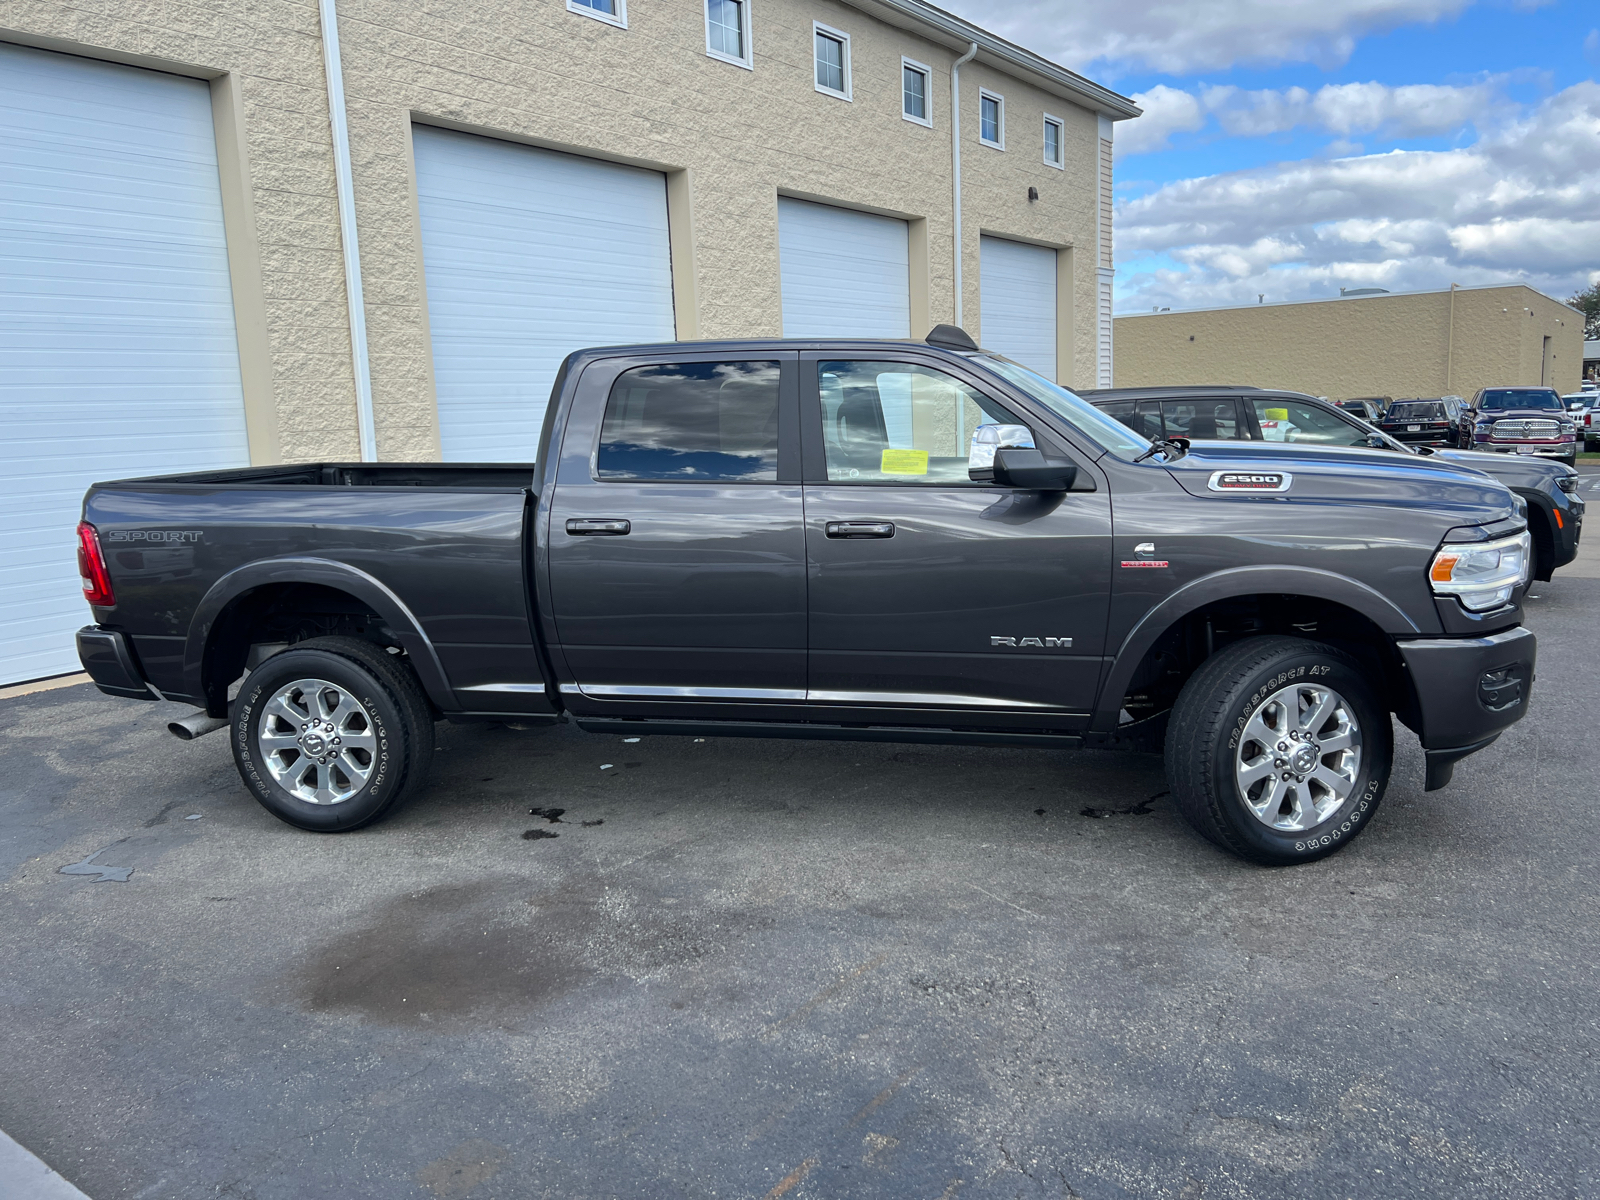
{"points": [[92, 568]]}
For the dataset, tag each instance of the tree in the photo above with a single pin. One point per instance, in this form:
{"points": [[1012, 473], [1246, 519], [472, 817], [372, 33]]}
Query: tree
{"points": [[1588, 303]]}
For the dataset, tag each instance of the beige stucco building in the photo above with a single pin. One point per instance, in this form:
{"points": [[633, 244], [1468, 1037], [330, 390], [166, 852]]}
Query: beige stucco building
{"points": [[1402, 344]]}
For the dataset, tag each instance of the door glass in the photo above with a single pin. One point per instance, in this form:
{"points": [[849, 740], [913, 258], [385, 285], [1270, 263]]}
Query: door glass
{"points": [[888, 422], [1292, 421], [1202, 419], [692, 423]]}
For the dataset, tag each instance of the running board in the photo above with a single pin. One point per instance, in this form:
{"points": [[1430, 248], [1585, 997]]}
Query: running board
{"points": [[830, 733]]}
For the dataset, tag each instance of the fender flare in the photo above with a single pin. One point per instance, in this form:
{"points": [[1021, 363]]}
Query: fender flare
{"points": [[371, 591], [1223, 585]]}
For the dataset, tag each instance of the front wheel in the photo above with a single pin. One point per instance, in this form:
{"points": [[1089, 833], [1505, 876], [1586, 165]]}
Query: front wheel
{"points": [[331, 734], [1277, 750]]}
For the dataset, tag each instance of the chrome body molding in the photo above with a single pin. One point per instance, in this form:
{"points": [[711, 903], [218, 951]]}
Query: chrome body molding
{"points": [[536, 689]]}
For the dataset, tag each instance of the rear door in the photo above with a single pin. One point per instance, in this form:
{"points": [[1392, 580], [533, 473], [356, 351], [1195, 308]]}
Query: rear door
{"points": [[930, 594], [676, 553]]}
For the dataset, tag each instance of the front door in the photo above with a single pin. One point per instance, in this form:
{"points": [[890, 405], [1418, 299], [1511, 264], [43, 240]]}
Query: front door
{"points": [[930, 593], [676, 547]]}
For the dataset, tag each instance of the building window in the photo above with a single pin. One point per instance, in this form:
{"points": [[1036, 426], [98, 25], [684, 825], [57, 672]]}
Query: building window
{"points": [[831, 49], [612, 12], [914, 78], [1052, 141], [728, 31], [992, 120]]}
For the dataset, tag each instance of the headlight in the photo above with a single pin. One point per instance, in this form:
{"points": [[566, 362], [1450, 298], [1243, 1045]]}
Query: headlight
{"points": [[1568, 483], [1483, 575], [1484, 426], [1568, 427]]}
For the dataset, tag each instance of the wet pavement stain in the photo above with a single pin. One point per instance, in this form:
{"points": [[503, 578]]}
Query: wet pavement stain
{"points": [[529, 835], [553, 815], [87, 866], [1141, 809]]}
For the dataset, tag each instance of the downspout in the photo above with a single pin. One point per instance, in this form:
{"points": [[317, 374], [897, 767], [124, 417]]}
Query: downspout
{"points": [[1450, 343], [347, 231], [955, 158]]}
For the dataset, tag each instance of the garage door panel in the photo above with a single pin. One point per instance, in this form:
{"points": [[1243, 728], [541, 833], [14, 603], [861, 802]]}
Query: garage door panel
{"points": [[118, 355], [844, 273], [530, 254], [1018, 302]]}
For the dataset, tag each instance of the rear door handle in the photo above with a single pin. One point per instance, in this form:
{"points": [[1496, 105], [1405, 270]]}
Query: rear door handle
{"points": [[860, 529], [602, 527]]}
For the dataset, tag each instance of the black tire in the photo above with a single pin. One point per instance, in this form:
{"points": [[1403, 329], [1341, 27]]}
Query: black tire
{"points": [[392, 705], [1204, 739]]}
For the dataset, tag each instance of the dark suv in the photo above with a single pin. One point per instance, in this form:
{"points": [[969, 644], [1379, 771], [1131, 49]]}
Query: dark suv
{"points": [[1423, 422], [1235, 413], [1519, 420]]}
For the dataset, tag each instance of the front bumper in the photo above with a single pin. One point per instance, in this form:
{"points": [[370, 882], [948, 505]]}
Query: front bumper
{"points": [[107, 658], [1533, 449], [1469, 690]]}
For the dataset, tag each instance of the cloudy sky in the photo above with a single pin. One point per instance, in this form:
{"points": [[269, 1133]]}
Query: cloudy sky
{"points": [[1293, 147]]}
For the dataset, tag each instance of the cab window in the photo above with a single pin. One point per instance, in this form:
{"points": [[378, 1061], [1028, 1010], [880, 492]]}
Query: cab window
{"points": [[893, 422], [702, 422], [1211, 420], [1293, 421]]}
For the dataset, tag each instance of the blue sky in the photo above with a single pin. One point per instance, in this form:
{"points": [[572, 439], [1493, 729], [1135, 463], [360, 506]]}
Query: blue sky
{"points": [[1291, 147]]}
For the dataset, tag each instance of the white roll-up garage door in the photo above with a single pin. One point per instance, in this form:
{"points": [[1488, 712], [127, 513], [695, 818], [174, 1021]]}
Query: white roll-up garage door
{"points": [[1018, 292], [530, 254], [844, 273], [117, 348]]}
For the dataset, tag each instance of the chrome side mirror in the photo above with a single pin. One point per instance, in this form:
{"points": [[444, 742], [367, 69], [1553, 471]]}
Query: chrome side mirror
{"points": [[986, 439]]}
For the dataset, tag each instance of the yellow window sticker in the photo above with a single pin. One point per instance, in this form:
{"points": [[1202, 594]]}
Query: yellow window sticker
{"points": [[1275, 414], [905, 462]]}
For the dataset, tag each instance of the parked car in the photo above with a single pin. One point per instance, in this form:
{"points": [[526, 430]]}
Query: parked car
{"points": [[1518, 420], [837, 539], [1423, 422], [1581, 412], [1550, 489], [1367, 410], [1379, 404]]}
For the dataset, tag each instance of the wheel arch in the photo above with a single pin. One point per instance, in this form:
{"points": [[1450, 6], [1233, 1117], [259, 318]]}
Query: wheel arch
{"points": [[217, 642], [1340, 610], [1541, 525]]}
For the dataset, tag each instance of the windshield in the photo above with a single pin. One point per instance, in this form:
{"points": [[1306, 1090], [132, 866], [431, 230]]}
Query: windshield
{"points": [[1503, 398], [1106, 432]]}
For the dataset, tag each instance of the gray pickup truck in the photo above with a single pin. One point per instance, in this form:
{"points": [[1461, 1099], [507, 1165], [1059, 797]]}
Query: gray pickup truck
{"points": [[881, 540]]}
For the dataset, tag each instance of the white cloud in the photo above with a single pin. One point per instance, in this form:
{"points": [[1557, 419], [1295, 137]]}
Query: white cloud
{"points": [[1166, 111], [1179, 37], [1516, 205]]}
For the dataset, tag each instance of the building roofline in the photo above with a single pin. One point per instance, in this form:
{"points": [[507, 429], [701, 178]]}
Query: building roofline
{"points": [[1479, 287], [954, 33]]}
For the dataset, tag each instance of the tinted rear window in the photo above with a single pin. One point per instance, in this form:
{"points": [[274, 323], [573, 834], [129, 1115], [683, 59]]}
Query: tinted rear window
{"points": [[693, 423], [1521, 398], [1418, 412]]}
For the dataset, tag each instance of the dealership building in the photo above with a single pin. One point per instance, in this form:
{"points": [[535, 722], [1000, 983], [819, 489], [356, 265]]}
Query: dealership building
{"points": [[236, 234], [1446, 343]]}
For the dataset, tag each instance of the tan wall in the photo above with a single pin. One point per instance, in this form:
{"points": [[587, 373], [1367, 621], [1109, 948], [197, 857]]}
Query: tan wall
{"points": [[1403, 345], [730, 139]]}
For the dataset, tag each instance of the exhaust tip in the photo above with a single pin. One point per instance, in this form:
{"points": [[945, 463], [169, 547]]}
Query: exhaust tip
{"points": [[195, 725]]}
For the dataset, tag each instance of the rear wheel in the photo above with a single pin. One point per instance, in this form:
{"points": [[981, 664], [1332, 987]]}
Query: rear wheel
{"points": [[1277, 750], [332, 734]]}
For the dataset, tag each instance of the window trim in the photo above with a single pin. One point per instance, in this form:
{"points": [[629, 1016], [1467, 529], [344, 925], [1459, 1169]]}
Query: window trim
{"points": [[1000, 103], [818, 29], [1061, 142], [619, 18], [748, 61], [927, 91]]}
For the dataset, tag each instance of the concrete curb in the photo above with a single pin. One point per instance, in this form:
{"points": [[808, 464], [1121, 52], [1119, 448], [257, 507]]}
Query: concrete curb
{"points": [[43, 685], [23, 1176]]}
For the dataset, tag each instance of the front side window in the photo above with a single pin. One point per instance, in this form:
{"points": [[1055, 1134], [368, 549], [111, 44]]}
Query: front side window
{"points": [[890, 422], [613, 12], [703, 422], [914, 92], [727, 34], [1052, 141], [832, 52], [1292, 421], [992, 120]]}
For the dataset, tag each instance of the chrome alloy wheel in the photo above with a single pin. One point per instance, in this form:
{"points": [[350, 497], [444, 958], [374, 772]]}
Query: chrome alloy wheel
{"points": [[318, 742], [1299, 757]]}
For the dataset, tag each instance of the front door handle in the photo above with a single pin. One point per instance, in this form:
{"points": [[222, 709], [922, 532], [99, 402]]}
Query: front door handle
{"points": [[860, 529], [601, 527]]}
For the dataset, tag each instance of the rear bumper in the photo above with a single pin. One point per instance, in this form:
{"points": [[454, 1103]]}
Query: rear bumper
{"points": [[106, 657], [1468, 691]]}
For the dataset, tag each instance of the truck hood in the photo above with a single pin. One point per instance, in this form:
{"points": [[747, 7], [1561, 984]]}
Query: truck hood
{"points": [[1236, 472]]}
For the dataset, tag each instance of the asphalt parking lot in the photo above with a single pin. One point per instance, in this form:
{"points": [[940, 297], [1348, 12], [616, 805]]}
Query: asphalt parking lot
{"points": [[766, 968]]}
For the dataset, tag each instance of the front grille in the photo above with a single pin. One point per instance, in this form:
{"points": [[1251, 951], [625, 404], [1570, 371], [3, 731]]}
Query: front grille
{"points": [[1521, 427]]}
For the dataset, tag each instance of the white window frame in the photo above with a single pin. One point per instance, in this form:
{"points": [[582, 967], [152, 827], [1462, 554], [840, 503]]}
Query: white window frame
{"points": [[1061, 142], [843, 38], [619, 18], [748, 61], [1000, 103], [927, 90]]}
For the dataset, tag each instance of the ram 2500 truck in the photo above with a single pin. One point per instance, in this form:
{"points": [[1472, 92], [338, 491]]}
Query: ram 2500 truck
{"points": [[881, 540]]}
